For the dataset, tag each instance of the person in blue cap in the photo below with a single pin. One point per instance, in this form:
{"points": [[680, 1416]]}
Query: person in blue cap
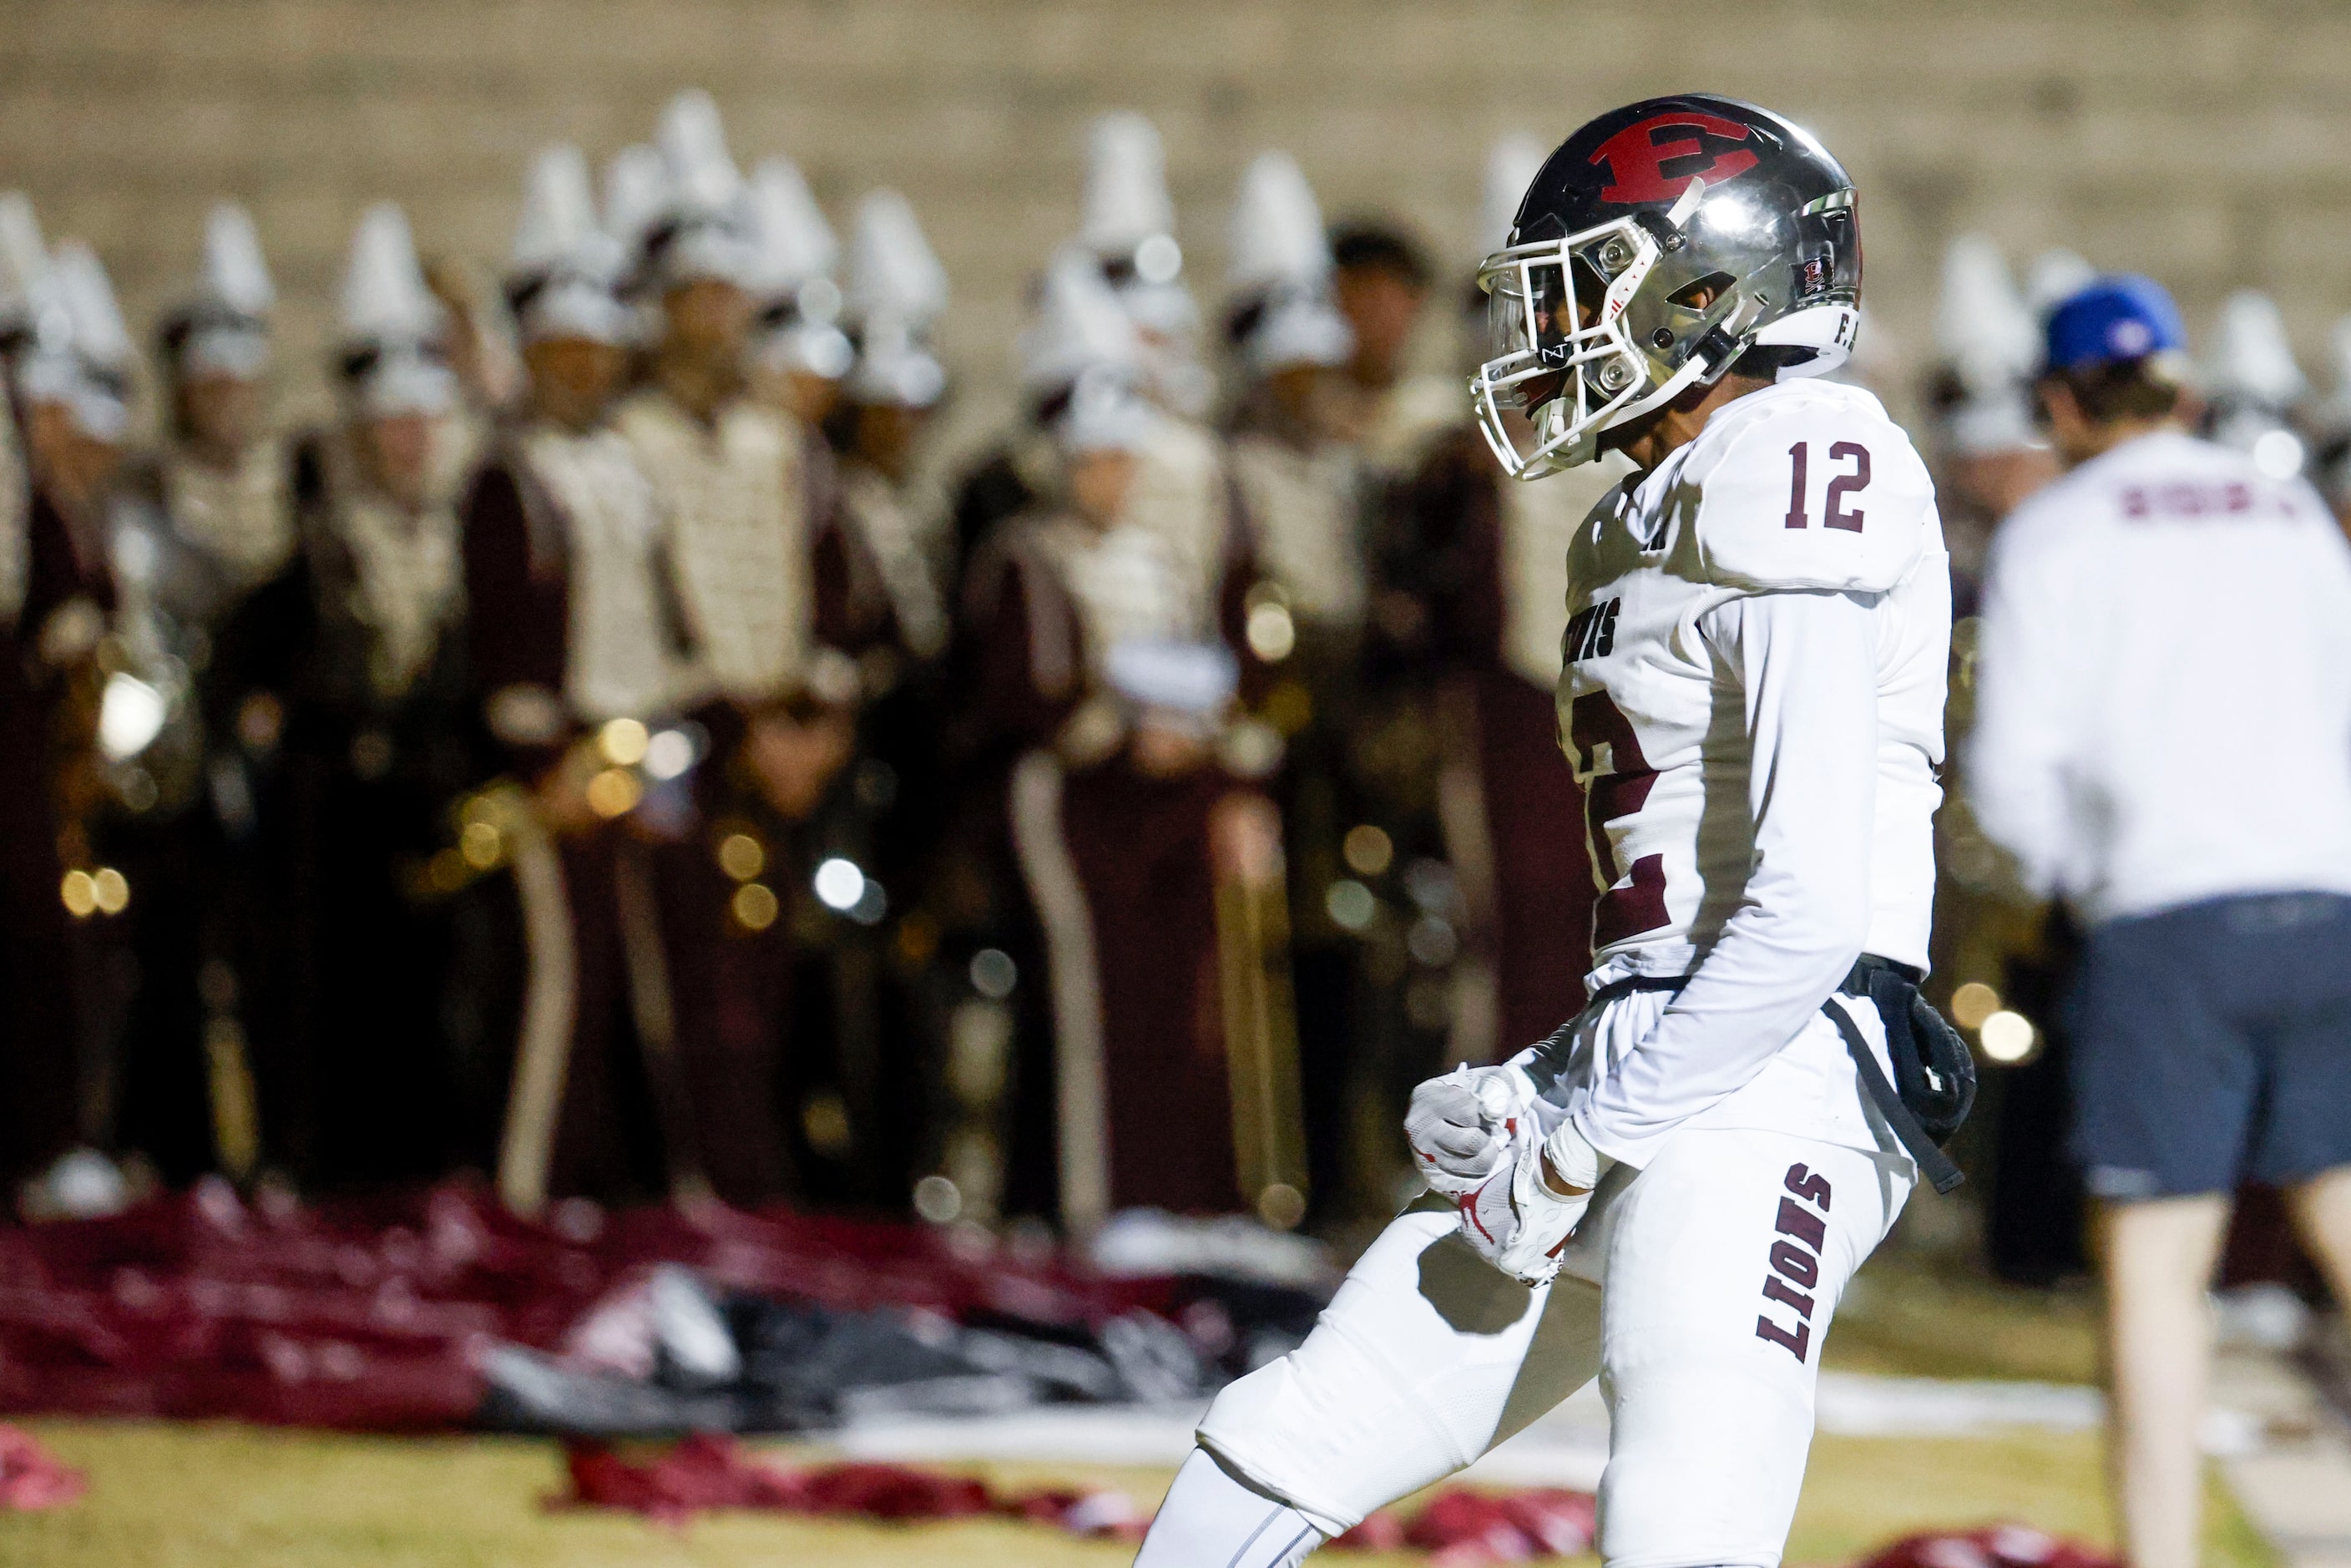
{"points": [[2163, 740]]}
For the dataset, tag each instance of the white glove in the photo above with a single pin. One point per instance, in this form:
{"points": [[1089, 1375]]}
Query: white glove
{"points": [[1517, 1219], [1459, 1126]]}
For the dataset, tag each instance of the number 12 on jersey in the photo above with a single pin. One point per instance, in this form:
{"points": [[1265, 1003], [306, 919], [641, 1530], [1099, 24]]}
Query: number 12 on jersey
{"points": [[1835, 515]]}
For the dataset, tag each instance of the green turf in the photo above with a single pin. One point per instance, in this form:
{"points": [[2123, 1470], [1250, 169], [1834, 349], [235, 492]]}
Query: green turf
{"points": [[235, 1497], [1904, 1317]]}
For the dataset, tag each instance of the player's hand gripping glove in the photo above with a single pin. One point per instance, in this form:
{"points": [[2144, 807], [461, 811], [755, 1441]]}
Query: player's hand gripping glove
{"points": [[1459, 1126], [1520, 1219]]}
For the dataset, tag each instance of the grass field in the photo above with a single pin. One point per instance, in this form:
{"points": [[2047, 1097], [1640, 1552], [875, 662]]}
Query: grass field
{"points": [[233, 1497]]}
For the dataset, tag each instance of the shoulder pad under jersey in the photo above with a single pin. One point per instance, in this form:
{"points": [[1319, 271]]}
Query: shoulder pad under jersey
{"points": [[1811, 488]]}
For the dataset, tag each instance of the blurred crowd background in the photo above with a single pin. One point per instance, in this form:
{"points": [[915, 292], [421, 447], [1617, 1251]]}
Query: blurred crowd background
{"points": [[895, 606]]}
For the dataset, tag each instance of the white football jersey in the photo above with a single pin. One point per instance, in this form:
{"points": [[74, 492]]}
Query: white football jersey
{"points": [[1751, 623], [1804, 485], [2163, 706]]}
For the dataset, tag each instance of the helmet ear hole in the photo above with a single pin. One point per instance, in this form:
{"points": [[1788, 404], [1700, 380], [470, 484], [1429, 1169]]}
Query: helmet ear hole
{"points": [[1589, 285], [1698, 295]]}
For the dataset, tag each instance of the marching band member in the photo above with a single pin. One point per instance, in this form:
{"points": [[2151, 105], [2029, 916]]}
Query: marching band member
{"points": [[1304, 499], [72, 378], [1098, 674], [208, 525], [747, 495], [577, 661], [345, 677]]}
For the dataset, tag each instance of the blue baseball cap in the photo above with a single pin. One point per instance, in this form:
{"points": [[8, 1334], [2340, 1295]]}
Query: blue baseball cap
{"points": [[2121, 316]]}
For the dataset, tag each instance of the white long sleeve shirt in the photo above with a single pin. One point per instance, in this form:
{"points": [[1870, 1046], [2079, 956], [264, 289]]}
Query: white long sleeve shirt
{"points": [[1753, 701], [2163, 684]]}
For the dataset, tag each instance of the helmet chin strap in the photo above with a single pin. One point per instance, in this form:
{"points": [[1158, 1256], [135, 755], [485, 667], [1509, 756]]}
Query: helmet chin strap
{"points": [[1716, 353]]}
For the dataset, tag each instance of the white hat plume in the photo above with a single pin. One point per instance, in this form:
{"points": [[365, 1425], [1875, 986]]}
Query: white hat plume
{"points": [[558, 224], [1126, 199], [1276, 237], [385, 298], [892, 268], [636, 188], [692, 139], [236, 273], [100, 336], [1983, 327], [2252, 359], [24, 255], [797, 245]]}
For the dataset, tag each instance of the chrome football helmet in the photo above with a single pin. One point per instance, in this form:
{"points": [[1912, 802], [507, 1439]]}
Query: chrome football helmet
{"points": [[1656, 246]]}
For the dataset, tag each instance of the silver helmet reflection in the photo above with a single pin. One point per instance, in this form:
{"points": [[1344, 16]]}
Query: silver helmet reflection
{"points": [[1657, 246]]}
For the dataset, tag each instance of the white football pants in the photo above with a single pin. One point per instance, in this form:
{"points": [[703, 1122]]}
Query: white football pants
{"points": [[1698, 1291]]}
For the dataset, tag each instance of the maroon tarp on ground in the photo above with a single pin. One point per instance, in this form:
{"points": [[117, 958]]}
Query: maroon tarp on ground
{"points": [[1993, 1546], [711, 1471], [369, 1316], [1462, 1529]]}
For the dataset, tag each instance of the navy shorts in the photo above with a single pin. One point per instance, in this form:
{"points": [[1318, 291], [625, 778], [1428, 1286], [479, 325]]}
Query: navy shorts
{"points": [[2213, 1046]]}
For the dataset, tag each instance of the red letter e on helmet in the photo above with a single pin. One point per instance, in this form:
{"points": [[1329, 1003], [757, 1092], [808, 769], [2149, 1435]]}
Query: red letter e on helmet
{"points": [[1635, 159]]}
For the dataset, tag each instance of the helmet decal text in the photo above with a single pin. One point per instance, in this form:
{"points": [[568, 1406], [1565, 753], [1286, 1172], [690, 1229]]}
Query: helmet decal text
{"points": [[1636, 159]]}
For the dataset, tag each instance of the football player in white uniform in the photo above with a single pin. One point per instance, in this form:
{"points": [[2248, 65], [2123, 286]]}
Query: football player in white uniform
{"points": [[1671, 1192]]}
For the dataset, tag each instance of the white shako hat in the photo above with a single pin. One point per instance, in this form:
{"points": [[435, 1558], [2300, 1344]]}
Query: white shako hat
{"points": [[1079, 326], [558, 227], [565, 268], [24, 263], [2250, 363], [1081, 360], [1989, 339], [636, 185], [2252, 384], [1105, 412], [1278, 269], [896, 291], [702, 230], [223, 327], [1127, 203], [1128, 222], [391, 325], [798, 253], [82, 355], [892, 268], [1275, 238], [796, 246]]}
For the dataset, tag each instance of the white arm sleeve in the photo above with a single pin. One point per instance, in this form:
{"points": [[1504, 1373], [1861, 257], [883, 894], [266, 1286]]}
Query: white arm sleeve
{"points": [[2017, 753], [1806, 665]]}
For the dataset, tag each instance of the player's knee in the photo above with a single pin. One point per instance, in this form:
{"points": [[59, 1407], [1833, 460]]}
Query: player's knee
{"points": [[1213, 1518]]}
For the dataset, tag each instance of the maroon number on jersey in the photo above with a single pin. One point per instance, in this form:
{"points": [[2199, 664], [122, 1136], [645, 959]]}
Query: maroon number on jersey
{"points": [[1594, 720], [1840, 485], [1854, 452]]}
